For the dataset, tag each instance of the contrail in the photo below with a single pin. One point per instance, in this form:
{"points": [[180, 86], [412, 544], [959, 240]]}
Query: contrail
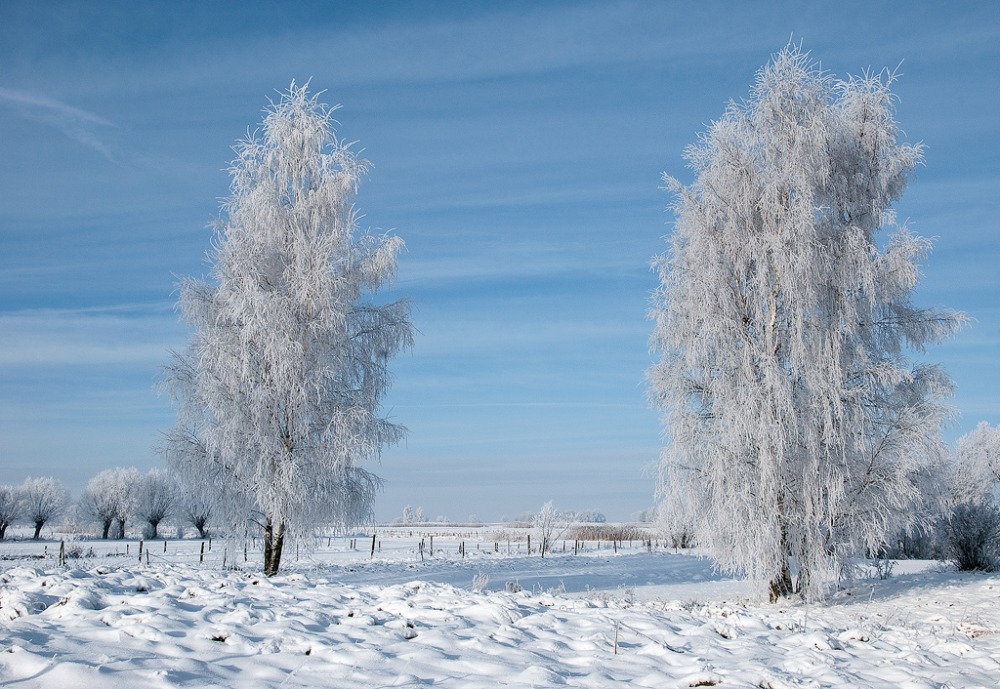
{"points": [[78, 124]]}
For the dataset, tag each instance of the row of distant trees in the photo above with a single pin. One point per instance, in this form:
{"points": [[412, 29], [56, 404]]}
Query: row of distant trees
{"points": [[112, 499], [416, 515]]}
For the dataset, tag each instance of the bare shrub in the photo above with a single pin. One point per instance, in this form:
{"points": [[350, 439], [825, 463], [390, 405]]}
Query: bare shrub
{"points": [[973, 534], [607, 532]]}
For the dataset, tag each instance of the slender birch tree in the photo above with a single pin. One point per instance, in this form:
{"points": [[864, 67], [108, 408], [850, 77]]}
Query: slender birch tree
{"points": [[550, 525], [279, 389], [784, 325]]}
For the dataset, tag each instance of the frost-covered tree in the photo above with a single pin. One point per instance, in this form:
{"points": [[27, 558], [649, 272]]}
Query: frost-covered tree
{"points": [[109, 496], [550, 524], [675, 517], [155, 499], [42, 500], [126, 485], [785, 325], [921, 537], [972, 534], [407, 516], [197, 512], [99, 501], [10, 508], [975, 466], [971, 522], [590, 517], [279, 389]]}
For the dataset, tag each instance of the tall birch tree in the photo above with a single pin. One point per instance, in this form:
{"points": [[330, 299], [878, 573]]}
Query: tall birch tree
{"points": [[279, 390], [784, 325]]}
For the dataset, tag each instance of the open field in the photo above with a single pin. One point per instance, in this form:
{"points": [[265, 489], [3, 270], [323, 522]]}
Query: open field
{"points": [[338, 617]]}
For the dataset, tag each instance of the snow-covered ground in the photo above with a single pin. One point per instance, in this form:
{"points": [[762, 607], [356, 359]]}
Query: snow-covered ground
{"points": [[340, 618]]}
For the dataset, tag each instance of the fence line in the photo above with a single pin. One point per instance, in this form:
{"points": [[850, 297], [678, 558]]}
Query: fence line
{"points": [[405, 543]]}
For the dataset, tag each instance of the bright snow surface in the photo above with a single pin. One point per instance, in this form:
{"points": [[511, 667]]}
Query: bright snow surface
{"points": [[599, 619]]}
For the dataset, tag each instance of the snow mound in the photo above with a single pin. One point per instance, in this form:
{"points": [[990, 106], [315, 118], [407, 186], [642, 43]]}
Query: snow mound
{"points": [[184, 626]]}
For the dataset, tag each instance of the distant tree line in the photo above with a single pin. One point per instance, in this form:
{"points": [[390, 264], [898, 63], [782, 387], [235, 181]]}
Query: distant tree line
{"points": [[112, 500]]}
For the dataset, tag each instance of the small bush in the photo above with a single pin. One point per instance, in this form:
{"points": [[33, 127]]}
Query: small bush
{"points": [[921, 542], [76, 551], [480, 582], [973, 535]]}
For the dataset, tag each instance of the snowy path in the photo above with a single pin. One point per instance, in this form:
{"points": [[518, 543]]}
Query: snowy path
{"points": [[181, 626]]}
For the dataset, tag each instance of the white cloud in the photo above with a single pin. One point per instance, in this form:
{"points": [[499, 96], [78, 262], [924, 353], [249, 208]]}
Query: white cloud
{"points": [[80, 125], [139, 334]]}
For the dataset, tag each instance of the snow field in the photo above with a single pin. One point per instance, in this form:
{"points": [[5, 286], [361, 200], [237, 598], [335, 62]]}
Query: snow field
{"points": [[397, 622]]}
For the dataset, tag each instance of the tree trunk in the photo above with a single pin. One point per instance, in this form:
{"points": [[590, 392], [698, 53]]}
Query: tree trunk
{"points": [[802, 583], [781, 586], [273, 543], [106, 529], [3, 530], [38, 530]]}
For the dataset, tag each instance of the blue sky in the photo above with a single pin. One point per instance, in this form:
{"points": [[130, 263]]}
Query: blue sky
{"points": [[516, 147]]}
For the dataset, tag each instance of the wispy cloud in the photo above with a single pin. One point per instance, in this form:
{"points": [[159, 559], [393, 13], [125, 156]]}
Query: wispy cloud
{"points": [[479, 260], [79, 125], [125, 335]]}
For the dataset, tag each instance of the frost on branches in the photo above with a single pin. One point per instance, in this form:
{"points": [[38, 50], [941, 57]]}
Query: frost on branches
{"points": [[783, 322], [10, 508], [975, 471], [111, 495], [42, 500], [280, 385], [972, 521]]}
